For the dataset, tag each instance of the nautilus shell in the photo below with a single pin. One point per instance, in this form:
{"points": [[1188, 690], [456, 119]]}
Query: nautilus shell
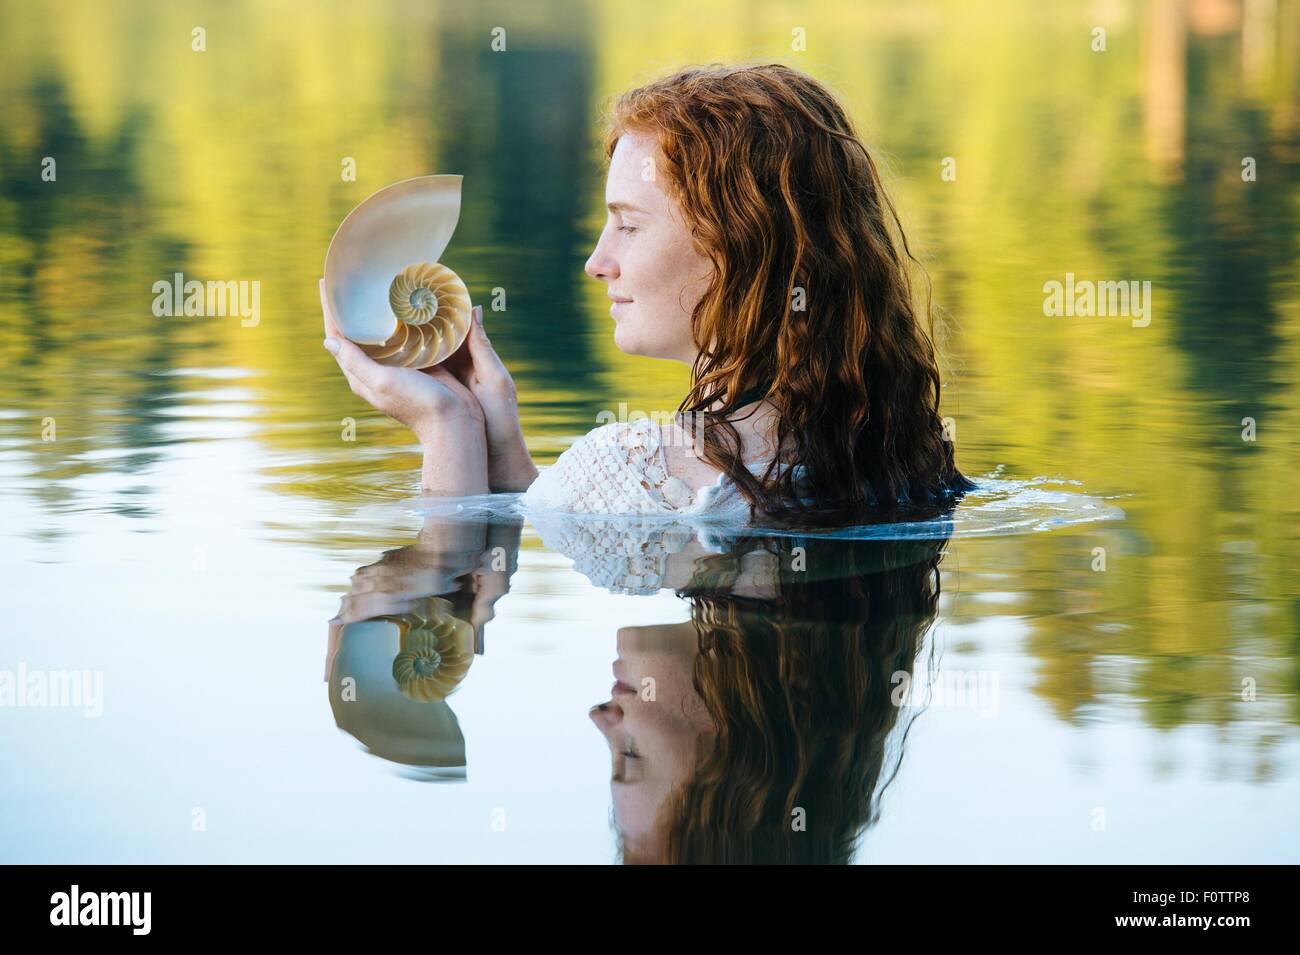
{"points": [[383, 282], [436, 652], [423, 737]]}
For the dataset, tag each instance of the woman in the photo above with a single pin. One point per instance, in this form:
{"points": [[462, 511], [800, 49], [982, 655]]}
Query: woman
{"points": [[749, 236]]}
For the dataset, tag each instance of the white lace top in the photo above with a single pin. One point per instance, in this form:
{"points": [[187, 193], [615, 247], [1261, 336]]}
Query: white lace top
{"points": [[620, 468]]}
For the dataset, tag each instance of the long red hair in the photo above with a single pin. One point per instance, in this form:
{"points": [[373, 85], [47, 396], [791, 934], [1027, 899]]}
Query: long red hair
{"points": [[800, 687], [811, 292]]}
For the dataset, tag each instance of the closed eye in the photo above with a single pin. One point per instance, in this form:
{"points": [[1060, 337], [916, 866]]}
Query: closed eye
{"points": [[628, 759], [629, 229]]}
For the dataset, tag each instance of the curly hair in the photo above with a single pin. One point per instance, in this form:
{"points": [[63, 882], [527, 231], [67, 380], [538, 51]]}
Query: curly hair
{"points": [[799, 690], [810, 296]]}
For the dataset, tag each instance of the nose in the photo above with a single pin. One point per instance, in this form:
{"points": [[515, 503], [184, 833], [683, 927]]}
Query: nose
{"points": [[606, 716], [601, 264]]}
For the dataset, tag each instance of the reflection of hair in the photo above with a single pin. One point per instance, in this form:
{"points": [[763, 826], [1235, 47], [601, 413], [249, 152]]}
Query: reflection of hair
{"points": [[799, 692], [810, 292]]}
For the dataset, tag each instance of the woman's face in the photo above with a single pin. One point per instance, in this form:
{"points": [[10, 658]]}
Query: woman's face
{"points": [[646, 258], [652, 724]]}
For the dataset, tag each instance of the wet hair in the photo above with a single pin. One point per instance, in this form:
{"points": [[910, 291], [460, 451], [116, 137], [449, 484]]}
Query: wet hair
{"points": [[811, 292], [801, 693]]}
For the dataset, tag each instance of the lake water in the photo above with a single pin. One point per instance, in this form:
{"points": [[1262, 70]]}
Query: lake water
{"points": [[281, 652]]}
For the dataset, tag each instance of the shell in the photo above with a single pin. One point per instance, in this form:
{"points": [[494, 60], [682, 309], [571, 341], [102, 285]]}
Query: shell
{"points": [[433, 312], [437, 649], [385, 251], [424, 737]]}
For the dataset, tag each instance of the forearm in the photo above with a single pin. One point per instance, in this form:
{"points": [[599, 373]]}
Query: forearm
{"points": [[511, 468], [455, 460]]}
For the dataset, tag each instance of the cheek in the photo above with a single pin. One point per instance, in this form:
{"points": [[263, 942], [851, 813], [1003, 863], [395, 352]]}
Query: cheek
{"points": [[669, 279], [687, 275], [697, 272]]}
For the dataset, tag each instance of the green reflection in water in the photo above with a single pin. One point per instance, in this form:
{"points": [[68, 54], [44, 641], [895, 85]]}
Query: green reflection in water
{"points": [[1120, 165]]}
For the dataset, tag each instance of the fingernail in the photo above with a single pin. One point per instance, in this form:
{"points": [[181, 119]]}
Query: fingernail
{"points": [[332, 346], [478, 314]]}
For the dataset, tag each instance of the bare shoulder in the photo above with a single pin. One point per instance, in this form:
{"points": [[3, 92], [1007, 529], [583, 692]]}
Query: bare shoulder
{"points": [[684, 462], [681, 459]]}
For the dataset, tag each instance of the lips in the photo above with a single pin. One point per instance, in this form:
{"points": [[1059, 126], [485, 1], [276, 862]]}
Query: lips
{"points": [[619, 685]]}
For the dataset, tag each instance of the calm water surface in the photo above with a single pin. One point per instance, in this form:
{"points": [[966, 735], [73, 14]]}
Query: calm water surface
{"points": [[293, 657]]}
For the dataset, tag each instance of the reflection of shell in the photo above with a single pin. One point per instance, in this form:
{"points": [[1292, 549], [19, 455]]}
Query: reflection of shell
{"points": [[369, 264], [424, 737], [433, 310], [436, 653]]}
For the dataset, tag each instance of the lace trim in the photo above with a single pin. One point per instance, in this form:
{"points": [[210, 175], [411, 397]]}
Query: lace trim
{"points": [[706, 495], [622, 468], [623, 555]]}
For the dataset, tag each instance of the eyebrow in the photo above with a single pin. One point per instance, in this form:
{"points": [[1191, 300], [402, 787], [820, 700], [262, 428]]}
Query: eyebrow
{"points": [[622, 206]]}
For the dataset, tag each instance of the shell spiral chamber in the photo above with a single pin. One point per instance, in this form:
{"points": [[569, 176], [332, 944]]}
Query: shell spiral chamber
{"points": [[433, 312]]}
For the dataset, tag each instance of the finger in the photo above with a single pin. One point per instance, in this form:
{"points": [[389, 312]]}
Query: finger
{"points": [[358, 387], [363, 581], [476, 331], [371, 605], [361, 391], [480, 347], [332, 645], [355, 363], [331, 329], [358, 367], [489, 588], [460, 363]]}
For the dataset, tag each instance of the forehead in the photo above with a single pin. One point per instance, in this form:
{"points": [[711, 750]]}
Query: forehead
{"points": [[633, 174]]}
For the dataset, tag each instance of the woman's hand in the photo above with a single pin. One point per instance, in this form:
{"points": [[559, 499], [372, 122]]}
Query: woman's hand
{"points": [[428, 400], [477, 366]]}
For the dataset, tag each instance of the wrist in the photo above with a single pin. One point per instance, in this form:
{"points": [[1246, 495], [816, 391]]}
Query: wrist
{"points": [[455, 432], [511, 467], [455, 459], [436, 430]]}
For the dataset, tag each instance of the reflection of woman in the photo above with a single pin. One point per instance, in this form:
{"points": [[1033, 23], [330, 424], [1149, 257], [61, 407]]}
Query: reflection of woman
{"points": [[756, 732], [749, 236]]}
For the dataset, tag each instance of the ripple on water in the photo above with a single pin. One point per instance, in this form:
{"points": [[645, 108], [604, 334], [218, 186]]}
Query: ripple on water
{"points": [[996, 507]]}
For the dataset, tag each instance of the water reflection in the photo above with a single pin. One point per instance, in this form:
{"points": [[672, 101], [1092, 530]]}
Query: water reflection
{"points": [[763, 729], [760, 730], [405, 638]]}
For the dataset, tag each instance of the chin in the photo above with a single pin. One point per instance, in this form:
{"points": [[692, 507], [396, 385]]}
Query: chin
{"points": [[630, 343]]}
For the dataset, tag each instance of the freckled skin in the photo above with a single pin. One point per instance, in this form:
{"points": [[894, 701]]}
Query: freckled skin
{"points": [[655, 264], [646, 254]]}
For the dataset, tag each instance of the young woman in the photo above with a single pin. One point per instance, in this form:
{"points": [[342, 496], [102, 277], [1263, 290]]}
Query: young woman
{"points": [[749, 236]]}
